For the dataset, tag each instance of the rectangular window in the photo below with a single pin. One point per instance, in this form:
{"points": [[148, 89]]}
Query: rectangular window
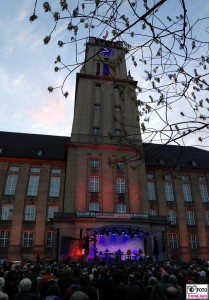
{"points": [[51, 210], [49, 239], [121, 165], [204, 192], [4, 238], [168, 188], [187, 192], [120, 185], [30, 213], [207, 218], [11, 185], [93, 206], [192, 239], [118, 131], [153, 212], [95, 131], [208, 241], [54, 188], [106, 70], [121, 208], [151, 191], [190, 216], [94, 163], [56, 171], [117, 108], [172, 217], [6, 212], [14, 169], [98, 69], [33, 185], [94, 184], [173, 241], [28, 239], [35, 170]]}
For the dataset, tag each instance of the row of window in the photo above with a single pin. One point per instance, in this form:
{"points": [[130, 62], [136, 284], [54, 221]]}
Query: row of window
{"points": [[29, 213], [94, 185], [192, 241], [33, 183], [27, 239], [186, 189]]}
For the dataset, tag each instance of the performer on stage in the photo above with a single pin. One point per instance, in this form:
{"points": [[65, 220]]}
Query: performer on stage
{"points": [[106, 252], [128, 253], [119, 254], [140, 254]]}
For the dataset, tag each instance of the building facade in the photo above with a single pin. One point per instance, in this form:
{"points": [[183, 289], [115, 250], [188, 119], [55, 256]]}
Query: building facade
{"points": [[102, 188]]}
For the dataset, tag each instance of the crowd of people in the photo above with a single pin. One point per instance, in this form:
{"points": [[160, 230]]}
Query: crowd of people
{"points": [[124, 280]]}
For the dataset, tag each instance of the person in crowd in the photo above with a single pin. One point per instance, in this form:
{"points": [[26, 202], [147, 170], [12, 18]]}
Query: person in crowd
{"points": [[159, 290], [174, 280], [79, 295], [53, 292], [3, 296], [152, 281], [132, 289], [105, 285], [91, 291], [25, 291]]}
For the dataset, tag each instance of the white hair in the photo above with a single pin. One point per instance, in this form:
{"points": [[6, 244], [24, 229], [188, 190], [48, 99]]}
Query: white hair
{"points": [[25, 284], [79, 295], [2, 282]]}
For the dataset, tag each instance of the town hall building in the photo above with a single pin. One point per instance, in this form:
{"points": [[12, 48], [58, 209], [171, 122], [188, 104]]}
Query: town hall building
{"points": [[101, 191]]}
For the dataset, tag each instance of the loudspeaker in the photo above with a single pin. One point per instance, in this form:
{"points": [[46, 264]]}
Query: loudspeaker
{"points": [[65, 245]]}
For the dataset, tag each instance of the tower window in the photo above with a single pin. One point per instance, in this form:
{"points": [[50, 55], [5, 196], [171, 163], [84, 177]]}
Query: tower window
{"points": [[97, 106], [105, 70], [117, 108], [95, 131], [98, 69]]}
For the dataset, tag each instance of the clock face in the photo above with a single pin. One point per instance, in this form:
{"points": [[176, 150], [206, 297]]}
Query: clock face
{"points": [[106, 51]]}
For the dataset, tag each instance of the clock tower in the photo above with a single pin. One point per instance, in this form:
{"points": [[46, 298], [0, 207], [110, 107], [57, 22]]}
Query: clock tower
{"points": [[105, 100], [105, 182]]}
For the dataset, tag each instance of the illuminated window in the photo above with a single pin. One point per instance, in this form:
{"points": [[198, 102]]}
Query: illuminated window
{"points": [[151, 191], [6, 212], [30, 213], [93, 206], [49, 239], [11, 185], [106, 70], [4, 238], [192, 239], [33, 185], [94, 184], [28, 237], [172, 217], [120, 185], [190, 216], [51, 211], [121, 208], [173, 241], [187, 192]]}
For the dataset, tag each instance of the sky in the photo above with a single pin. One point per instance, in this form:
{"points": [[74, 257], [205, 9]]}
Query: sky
{"points": [[27, 69]]}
